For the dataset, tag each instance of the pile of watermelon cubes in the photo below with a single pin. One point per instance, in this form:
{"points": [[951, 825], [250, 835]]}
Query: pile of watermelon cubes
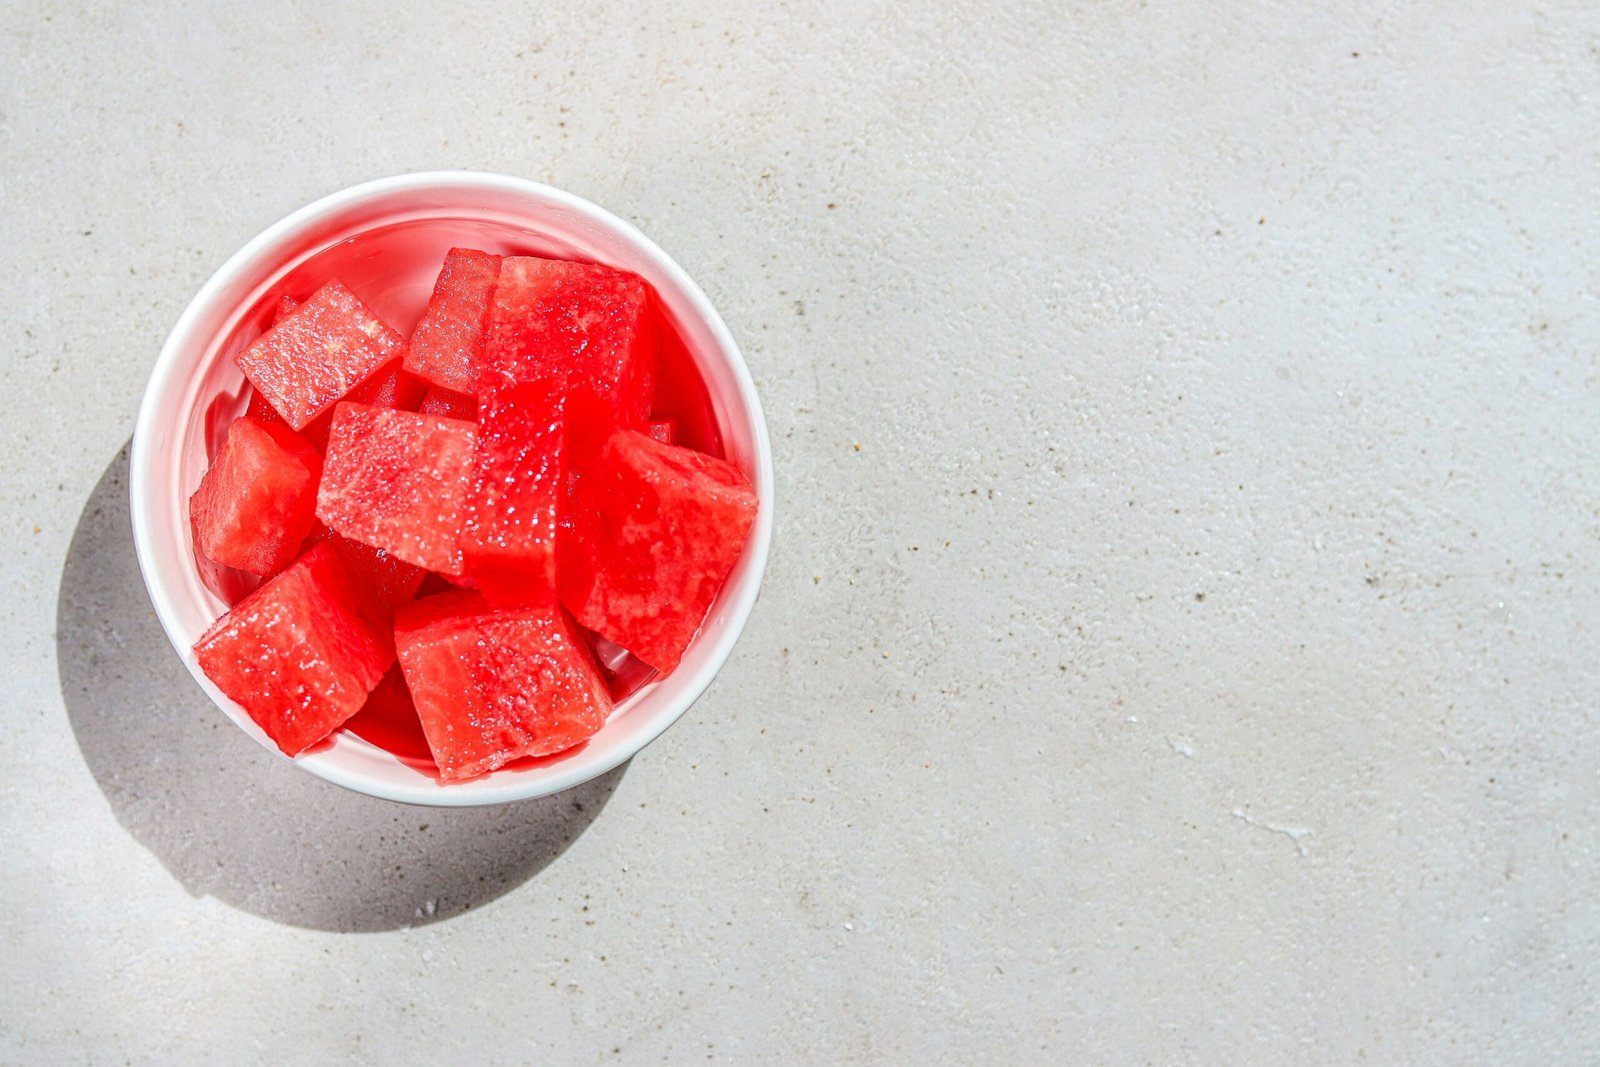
{"points": [[445, 523]]}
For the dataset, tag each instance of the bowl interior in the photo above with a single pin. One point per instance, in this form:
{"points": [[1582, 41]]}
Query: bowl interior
{"points": [[385, 240]]}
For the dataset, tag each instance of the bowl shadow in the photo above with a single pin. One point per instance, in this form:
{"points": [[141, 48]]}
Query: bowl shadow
{"points": [[229, 819]]}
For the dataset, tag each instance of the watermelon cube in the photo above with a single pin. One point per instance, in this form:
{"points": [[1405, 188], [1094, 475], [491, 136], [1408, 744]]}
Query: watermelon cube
{"points": [[398, 480], [389, 720], [588, 324], [494, 686], [447, 344], [296, 654], [518, 478], [450, 404], [664, 430], [389, 386], [325, 348], [536, 672], [257, 502], [656, 530]]}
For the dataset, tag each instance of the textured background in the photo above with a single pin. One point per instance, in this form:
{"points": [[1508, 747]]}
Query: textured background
{"points": [[1180, 644]]}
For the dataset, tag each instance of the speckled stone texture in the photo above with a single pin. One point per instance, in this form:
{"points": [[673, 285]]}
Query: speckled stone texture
{"points": [[1181, 639]]}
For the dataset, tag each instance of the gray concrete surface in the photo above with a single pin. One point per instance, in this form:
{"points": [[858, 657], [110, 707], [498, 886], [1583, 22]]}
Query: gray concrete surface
{"points": [[1180, 644]]}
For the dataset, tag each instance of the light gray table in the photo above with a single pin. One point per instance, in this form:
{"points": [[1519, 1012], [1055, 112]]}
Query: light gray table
{"points": [[1180, 644]]}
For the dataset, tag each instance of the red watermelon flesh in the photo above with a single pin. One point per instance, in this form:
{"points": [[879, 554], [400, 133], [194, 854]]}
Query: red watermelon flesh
{"points": [[588, 324], [296, 654], [382, 582], [398, 480], [259, 409], [656, 531], [518, 478], [447, 344], [450, 404], [389, 720], [678, 392], [436, 583], [442, 583], [436, 640], [257, 501], [494, 686], [536, 671], [388, 387], [389, 582], [664, 430], [324, 349]]}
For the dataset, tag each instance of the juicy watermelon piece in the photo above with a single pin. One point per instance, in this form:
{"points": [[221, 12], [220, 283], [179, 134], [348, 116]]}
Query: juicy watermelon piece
{"points": [[296, 654], [518, 477], [588, 324], [447, 344], [450, 404], [285, 308], [494, 686], [537, 672], [656, 530], [389, 720], [323, 350], [257, 502], [398, 480], [664, 430]]}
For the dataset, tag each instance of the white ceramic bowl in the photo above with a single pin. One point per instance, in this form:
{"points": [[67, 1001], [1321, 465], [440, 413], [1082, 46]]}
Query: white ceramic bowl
{"points": [[393, 234]]}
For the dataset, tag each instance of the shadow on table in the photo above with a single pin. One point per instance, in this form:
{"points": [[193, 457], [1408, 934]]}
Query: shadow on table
{"points": [[231, 820]]}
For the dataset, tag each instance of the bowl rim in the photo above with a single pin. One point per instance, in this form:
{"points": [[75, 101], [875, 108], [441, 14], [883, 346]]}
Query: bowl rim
{"points": [[741, 598]]}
